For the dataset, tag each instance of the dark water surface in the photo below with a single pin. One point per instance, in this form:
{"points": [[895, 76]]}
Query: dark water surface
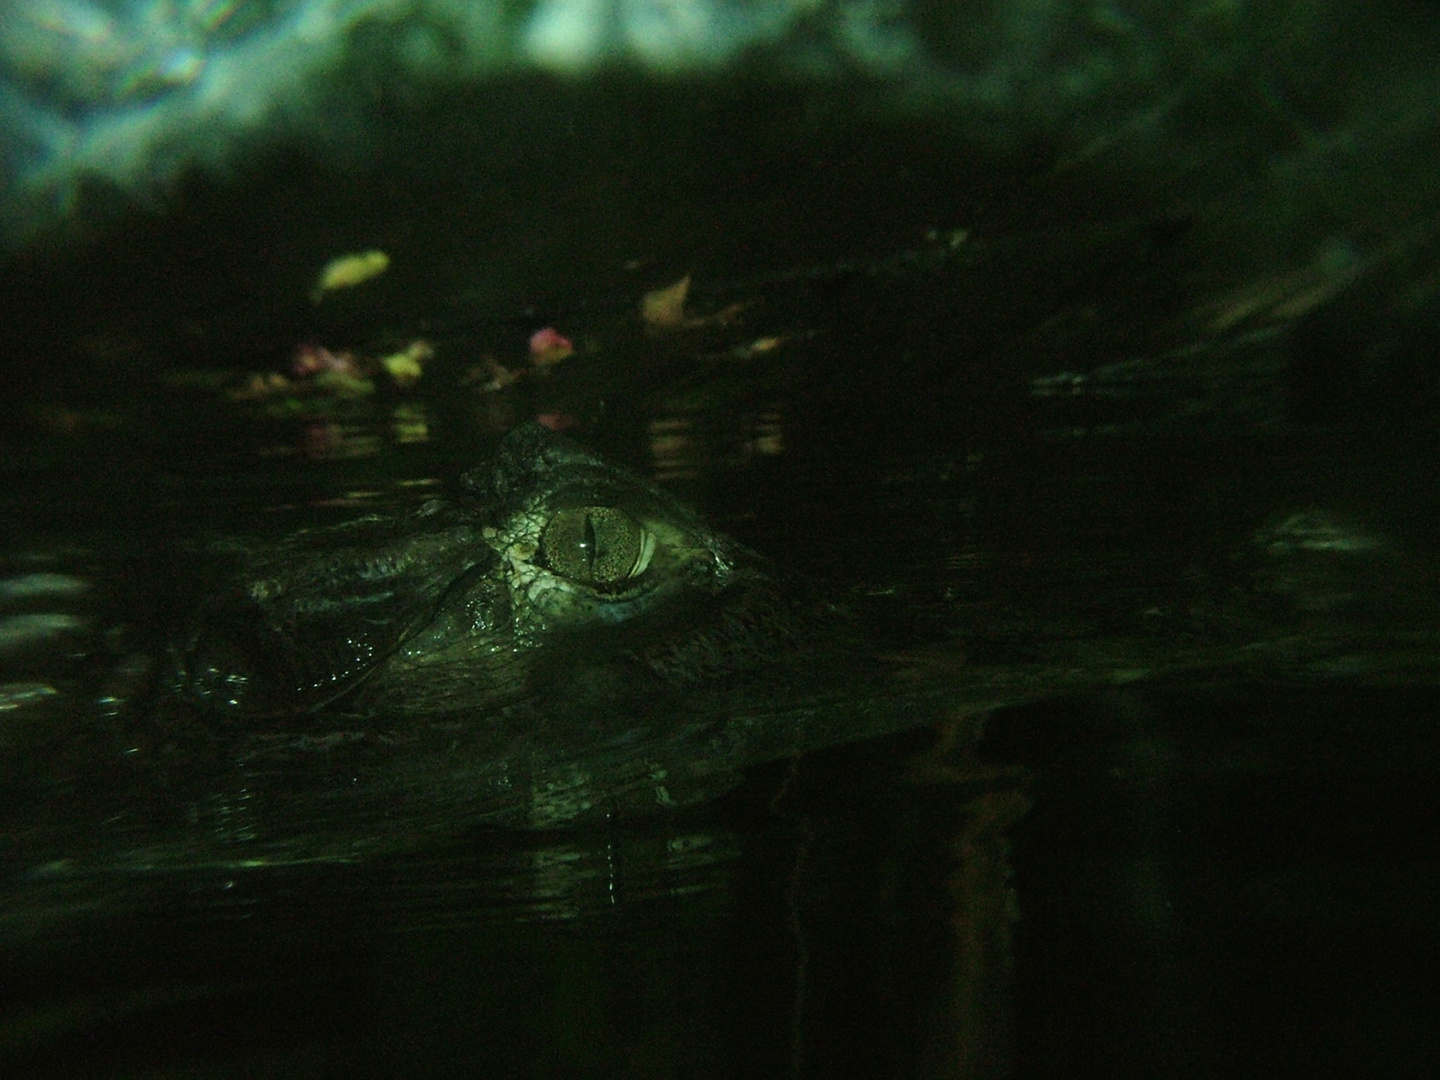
{"points": [[1148, 523]]}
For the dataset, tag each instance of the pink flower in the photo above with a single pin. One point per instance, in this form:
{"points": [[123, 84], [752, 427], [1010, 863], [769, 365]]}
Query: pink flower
{"points": [[549, 346]]}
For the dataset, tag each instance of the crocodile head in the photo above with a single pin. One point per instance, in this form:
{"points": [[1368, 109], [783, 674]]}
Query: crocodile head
{"points": [[551, 566]]}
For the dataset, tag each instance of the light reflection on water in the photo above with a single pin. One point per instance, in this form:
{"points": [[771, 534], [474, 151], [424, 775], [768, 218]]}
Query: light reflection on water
{"points": [[684, 447], [771, 922], [362, 436], [673, 450], [561, 879]]}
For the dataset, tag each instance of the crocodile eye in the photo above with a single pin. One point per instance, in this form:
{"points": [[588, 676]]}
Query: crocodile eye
{"points": [[597, 545]]}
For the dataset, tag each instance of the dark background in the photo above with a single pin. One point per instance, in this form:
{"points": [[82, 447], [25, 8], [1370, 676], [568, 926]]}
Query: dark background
{"points": [[1209, 296]]}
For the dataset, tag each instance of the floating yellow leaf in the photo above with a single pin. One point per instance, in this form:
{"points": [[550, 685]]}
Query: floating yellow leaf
{"points": [[347, 271], [664, 309], [407, 365]]}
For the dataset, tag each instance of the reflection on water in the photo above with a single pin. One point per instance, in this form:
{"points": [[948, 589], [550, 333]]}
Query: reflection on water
{"points": [[769, 439], [673, 451], [409, 423], [830, 918], [563, 878], [687, 446], [843, 915], [846, 913], [330, 440]]}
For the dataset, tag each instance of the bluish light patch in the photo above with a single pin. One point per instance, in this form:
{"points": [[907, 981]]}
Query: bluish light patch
{"points": [[18, 695], [134, 92], [569, 36], [30, 586], [138, 99], [20, 630], [681, 35], [665, 36], [875, 35]]}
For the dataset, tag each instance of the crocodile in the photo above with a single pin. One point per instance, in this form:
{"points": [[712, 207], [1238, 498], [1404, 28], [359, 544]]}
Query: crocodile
{"points": [[562, 642], [558, 642]]}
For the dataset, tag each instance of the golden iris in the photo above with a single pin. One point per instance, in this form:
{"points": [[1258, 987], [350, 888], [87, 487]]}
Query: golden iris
{"points": [[601, 546]]}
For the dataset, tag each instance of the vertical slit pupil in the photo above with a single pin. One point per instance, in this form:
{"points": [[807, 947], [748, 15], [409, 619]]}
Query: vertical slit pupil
{"points": [[587, 545]]}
